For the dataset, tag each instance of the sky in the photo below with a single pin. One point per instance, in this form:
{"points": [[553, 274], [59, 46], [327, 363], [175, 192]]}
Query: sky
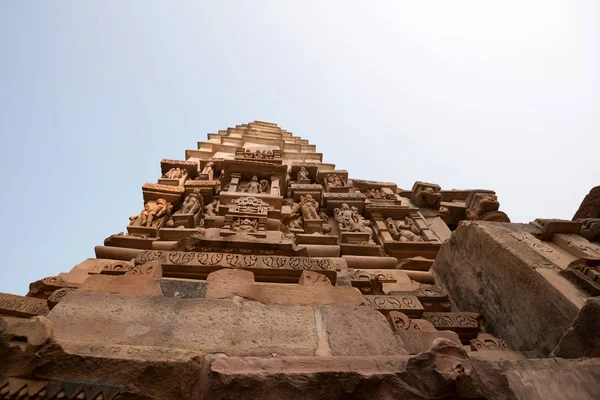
{"points": [[503, 95]]}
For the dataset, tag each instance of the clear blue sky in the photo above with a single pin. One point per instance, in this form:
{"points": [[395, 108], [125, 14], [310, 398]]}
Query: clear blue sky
{"points": [[93, 94]]}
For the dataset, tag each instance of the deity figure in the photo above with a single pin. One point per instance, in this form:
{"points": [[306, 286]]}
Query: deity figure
{"points": [[151, 213], [348, 219], [210, 209], [173, 173], [244, 225], [209, 170], [303, 175], [253, 186], [309, 207], [333, 180], [248, 153], [192, 203], [404, 231]]}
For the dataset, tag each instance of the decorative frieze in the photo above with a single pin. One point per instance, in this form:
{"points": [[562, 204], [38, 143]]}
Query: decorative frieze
{"points": [[22, 306], [406, 304], [465, 324]]}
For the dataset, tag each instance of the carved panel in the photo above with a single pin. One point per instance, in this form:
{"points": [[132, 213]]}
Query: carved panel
{"points": [[180, 263], [486, 341], [465, 324], [56, 296], [22, 306], [364, 277], [18, 388], [408, 305]]}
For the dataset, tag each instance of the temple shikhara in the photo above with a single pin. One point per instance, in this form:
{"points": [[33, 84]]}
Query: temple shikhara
{"points": [[254, 268]]}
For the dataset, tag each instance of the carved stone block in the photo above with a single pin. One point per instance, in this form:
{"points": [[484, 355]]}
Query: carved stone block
{"points": [[485, 341], [465, 324], [408, 305], [552, 226], [22, 306]]}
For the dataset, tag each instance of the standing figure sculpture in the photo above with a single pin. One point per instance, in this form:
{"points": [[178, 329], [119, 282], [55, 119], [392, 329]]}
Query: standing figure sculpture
{"points": [[253, 186], [309, 207], [348, 219], [403, 231], [192, 203]]}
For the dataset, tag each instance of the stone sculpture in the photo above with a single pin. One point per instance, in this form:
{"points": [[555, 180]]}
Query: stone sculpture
{"points": [[480, 203], [253, 186], [403, 231], [309, 207], [152, 212], [209, 170], [303, 177], [174, 173], [244, 225], [349, 220], [192, 203], [334, 180], [211, 209]]}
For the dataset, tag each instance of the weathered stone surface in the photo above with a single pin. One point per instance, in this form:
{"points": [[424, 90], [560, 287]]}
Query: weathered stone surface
{"points": [[415, 342], [443, 371], [209, 326], [351, 330], [553, 378], [590, 206], [183, 288], [122, 284], [489, 271], [228, 283], [583, 338]]}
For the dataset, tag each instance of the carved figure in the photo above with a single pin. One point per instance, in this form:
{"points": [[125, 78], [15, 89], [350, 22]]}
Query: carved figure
{"points": [[309, 207], [244, 225], [153, 210], [426, 195], [480, 203], [192, 203], [333, 180], [374, 194], [264, 186], [253, 186], [210, 209], [590, 228], [174, 173], [348, 219], [403, 231], [303, 175], [209, 170]]}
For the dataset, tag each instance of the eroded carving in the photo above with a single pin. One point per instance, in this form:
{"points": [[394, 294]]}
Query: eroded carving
{"points": [[486, 341], [426, 195]]}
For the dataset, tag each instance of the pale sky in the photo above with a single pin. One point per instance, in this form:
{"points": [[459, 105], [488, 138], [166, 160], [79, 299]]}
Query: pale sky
{"points": [[502, 95]]}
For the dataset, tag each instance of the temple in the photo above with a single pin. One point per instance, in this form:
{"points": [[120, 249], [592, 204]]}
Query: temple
{"points": [[254, 268]]}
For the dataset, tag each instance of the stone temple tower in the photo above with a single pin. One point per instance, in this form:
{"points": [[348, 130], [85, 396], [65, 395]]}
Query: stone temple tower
{"points": [[255, 269]]}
